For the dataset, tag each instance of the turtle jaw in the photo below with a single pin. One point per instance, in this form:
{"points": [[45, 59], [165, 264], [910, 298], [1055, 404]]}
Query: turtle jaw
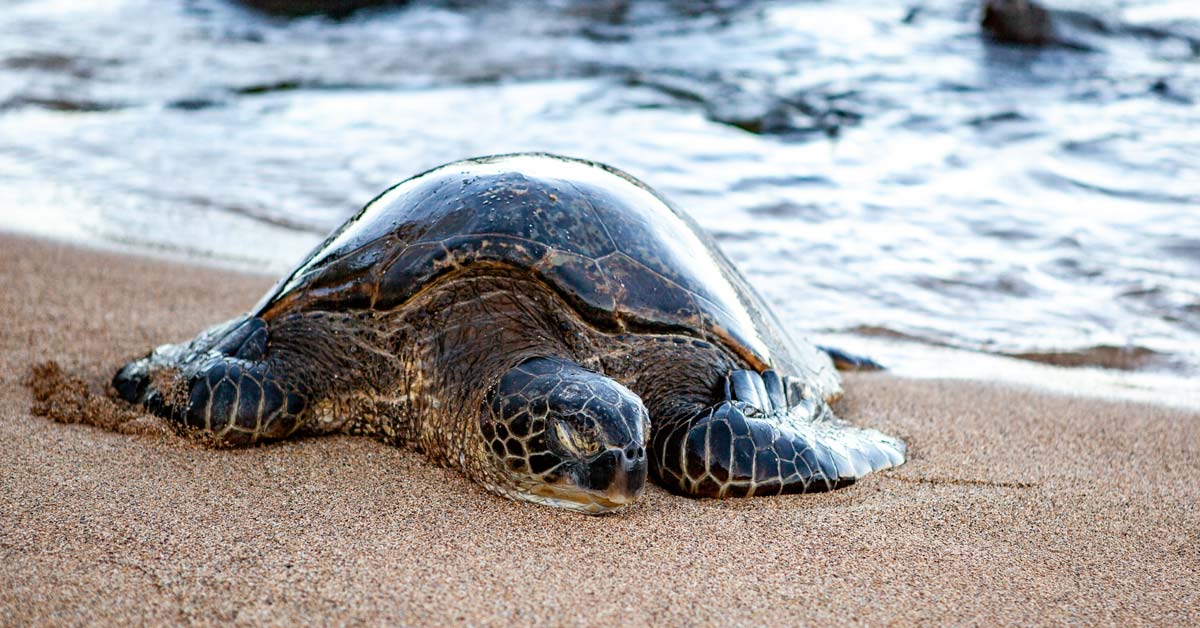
{"points": [[581, 500], [608, 482], [586, 502]]}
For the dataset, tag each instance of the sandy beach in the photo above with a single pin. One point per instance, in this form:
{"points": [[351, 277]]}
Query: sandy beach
{"points": [[1018, 507]]}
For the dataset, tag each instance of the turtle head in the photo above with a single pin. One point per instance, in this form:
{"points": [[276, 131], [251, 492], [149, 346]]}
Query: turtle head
{"points": [[560, 435]]}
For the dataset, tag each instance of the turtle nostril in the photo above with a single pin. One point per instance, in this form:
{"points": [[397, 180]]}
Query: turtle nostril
{"points": [[633, 453]]}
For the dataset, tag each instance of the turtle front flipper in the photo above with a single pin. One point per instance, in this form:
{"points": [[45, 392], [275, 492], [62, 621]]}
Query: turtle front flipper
{"points": [[764, 438], [218, 387], [847, 361]]}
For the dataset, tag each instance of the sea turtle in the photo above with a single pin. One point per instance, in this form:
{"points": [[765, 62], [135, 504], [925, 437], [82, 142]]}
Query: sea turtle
{"points": [[550, 326]]}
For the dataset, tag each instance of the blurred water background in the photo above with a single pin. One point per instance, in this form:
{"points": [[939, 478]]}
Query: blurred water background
{"points": [[891, 181]]}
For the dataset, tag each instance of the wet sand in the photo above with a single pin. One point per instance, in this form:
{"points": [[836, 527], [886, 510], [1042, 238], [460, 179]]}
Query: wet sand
{"points": [[1018, 507]]}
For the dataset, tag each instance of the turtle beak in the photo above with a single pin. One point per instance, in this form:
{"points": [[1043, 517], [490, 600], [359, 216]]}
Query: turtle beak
{"points": [[617, 476], [611, 480]]}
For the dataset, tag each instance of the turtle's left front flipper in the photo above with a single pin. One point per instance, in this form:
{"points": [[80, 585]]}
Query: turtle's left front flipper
{"points": [[847, 361], [764, 438], [218, 387]]}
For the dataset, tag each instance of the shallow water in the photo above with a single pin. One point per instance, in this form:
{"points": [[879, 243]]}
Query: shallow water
{"points": [[878, 170]]}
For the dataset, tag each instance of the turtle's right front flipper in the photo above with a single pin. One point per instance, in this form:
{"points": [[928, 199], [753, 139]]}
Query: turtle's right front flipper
{"points": [[766, 438], [218, 387]]}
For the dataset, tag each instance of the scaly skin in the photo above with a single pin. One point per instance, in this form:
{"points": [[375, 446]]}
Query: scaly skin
{"points": [[550, 326], [451, 377]]}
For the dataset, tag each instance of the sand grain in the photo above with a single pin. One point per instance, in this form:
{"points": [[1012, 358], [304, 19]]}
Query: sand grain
{"points": [[1017, 507]]}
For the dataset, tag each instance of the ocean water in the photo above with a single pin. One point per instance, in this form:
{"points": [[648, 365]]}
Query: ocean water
{"points": [[889, 180]]}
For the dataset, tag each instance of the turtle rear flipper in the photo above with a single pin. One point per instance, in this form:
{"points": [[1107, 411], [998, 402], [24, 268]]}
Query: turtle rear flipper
{"points": [[847, 361], [217, 387], [763, 439]]}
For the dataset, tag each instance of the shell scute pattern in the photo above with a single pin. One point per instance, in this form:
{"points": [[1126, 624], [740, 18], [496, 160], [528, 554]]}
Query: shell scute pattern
{"points": [[524, 318], [622, 257]]}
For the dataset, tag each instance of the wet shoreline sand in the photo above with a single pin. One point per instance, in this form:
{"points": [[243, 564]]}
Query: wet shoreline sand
{"points": [[1017, 507]]}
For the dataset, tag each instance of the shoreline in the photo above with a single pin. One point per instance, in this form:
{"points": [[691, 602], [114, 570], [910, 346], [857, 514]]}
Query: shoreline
{"points": [[902, 356], [1018, 506]]}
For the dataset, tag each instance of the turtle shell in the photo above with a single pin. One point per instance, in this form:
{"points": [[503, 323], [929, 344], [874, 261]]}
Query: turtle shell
{"points": [[619, 254]]}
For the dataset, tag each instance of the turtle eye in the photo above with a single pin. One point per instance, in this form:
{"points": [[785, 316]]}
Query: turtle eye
{"points": [[574, 442]]}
